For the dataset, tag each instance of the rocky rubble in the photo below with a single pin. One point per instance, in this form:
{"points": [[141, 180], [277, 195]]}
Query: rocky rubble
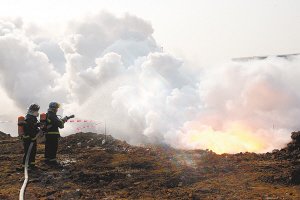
{"points": [[293, 150], [291, 154], [4, 136], [294, 146], [83, 141]]}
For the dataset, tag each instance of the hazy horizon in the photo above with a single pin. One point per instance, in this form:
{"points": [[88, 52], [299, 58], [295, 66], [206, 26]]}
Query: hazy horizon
{"points": [[157, 72]]}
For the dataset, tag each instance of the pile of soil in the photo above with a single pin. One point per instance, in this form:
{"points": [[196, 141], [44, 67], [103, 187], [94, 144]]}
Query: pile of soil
{"points": [[96, 166]]}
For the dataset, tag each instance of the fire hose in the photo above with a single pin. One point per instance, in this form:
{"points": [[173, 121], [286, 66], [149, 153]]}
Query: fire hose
{"points": [[26, 177], [22, 191]]}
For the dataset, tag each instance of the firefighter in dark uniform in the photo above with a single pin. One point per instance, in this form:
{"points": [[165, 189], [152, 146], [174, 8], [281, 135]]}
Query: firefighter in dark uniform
{"points": [[31, 130], [52, 134]]}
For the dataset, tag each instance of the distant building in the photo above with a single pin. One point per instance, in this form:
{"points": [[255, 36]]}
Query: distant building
{"points": [[245, 59]]}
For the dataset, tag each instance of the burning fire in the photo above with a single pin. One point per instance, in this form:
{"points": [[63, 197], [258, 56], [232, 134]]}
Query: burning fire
{"points": [[235, 138]]}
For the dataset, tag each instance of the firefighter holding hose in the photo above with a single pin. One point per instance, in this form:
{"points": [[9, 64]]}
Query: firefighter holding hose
{"points": [[52, 135], [30, 132]]}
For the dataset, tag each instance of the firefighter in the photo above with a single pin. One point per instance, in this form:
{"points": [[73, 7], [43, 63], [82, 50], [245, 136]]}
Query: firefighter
{"points": [[52, 134], [31, 130]]}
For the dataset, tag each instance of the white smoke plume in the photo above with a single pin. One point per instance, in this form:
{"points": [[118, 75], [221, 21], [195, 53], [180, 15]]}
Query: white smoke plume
{"points": [[111, 69]]}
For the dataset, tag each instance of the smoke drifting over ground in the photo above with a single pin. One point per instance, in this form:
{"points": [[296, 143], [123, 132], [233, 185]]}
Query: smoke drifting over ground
{"points": [[112, 69]]}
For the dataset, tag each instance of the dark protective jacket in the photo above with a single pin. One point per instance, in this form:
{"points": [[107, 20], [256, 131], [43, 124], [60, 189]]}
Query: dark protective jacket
{"points": [[53, 123], [31, 127]]}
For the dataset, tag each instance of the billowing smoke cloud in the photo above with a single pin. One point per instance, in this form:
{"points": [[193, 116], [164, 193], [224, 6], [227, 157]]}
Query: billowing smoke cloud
{"points": [[111, 69]]}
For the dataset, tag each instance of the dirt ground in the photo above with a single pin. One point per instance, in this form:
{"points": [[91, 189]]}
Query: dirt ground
{"points": [[96, 169]]}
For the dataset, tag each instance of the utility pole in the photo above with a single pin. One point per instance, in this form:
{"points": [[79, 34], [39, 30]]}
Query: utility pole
{"points": [[105, 129], [104, 141]]}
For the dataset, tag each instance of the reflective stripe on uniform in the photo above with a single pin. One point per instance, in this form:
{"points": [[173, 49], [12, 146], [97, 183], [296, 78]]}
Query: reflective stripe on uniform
{"points": [[26, 136], [34, 138], [53, 133], [52, 160]]}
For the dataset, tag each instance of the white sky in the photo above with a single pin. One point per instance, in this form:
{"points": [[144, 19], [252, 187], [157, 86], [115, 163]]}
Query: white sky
{"points": [[200, 31]]}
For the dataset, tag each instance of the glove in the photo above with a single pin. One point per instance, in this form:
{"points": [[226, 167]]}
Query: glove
{"points": [[65, 119]]}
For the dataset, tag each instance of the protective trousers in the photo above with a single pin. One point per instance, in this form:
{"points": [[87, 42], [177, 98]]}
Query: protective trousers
{"points": [[26, 144], [51, 146]]}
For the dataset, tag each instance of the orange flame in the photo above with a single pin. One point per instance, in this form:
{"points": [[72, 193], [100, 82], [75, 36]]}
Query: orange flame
{"points": [[236, 138]]}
